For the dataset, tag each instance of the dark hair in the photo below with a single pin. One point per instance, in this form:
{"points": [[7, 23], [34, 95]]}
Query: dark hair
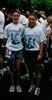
{"points": [[33, 14], [17, 10], [37, 14]]}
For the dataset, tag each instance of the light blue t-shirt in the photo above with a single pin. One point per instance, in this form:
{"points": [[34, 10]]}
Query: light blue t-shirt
{"points": [[14, 33], [33, 37]]}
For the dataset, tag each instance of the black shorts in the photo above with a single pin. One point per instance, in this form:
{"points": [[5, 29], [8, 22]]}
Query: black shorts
{"points": [[31, 60]]}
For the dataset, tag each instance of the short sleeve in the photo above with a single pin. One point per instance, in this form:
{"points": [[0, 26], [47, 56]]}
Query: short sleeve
{"points": [[5, 33]]}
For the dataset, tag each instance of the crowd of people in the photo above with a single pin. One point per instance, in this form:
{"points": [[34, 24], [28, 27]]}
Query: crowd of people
{"points": [[26, 38]]}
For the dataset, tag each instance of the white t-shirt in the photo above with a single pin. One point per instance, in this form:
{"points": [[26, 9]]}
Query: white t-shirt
{"points": [[2, 21], [33, 37], [23, 20], [48, 29], [14, 33]]}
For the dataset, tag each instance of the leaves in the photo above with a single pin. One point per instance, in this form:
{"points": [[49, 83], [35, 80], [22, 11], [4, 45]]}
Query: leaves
{"points": [[28, 4]]}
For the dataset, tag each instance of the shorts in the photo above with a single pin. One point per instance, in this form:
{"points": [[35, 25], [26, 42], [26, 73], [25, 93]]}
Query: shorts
{"points": [[31, 60], [16, 55]]}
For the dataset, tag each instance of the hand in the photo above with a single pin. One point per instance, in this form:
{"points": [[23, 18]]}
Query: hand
{"points": [[39, 57]]}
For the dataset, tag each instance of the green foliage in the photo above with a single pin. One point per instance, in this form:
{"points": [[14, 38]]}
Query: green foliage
{"points": [[12, 4], [37, 3], [42, 5], [29, 4], [48, 3], [49, 6]]}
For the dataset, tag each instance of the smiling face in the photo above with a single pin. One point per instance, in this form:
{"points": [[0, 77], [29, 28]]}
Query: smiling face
{"points": [[16, 16], [32, 21]]}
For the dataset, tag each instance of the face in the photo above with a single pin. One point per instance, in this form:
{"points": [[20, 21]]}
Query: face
{"points": [[15, 17], [32, 21]]}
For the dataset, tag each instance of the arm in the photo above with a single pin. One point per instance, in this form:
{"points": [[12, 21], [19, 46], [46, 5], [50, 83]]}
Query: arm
{"points": [[48, 38], [40, 55], [4, 41], [5, 36]]}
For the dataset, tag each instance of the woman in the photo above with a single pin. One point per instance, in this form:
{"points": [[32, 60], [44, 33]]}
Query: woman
{"points": [[13, 34], [34, 39]]}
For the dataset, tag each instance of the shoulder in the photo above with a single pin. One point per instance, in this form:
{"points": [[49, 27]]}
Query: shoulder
{"points": [[2, 16], [9, 25], [38, 28], [1, 13], [21, 26], [27, 29], [22, 16]]}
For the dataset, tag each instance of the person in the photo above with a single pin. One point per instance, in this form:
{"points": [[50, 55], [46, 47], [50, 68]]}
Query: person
{"points": [[13, 33], [23, 20], [49, 33], [34, 53], [8, 17], [2, 21], [49, 47]]}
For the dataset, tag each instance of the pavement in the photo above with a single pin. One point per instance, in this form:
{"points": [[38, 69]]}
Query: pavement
{"points": [[45, 86]]}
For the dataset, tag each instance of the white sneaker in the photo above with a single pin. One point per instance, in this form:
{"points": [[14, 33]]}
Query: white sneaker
{"points": [[32, 87], [26, 76], [18, 88], [50, 78], [37, 91], [12, 88]]}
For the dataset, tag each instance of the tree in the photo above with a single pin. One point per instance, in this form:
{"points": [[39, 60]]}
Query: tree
{"points": [[28, 4], [12, 4], [45, 5], [49, 6]]}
